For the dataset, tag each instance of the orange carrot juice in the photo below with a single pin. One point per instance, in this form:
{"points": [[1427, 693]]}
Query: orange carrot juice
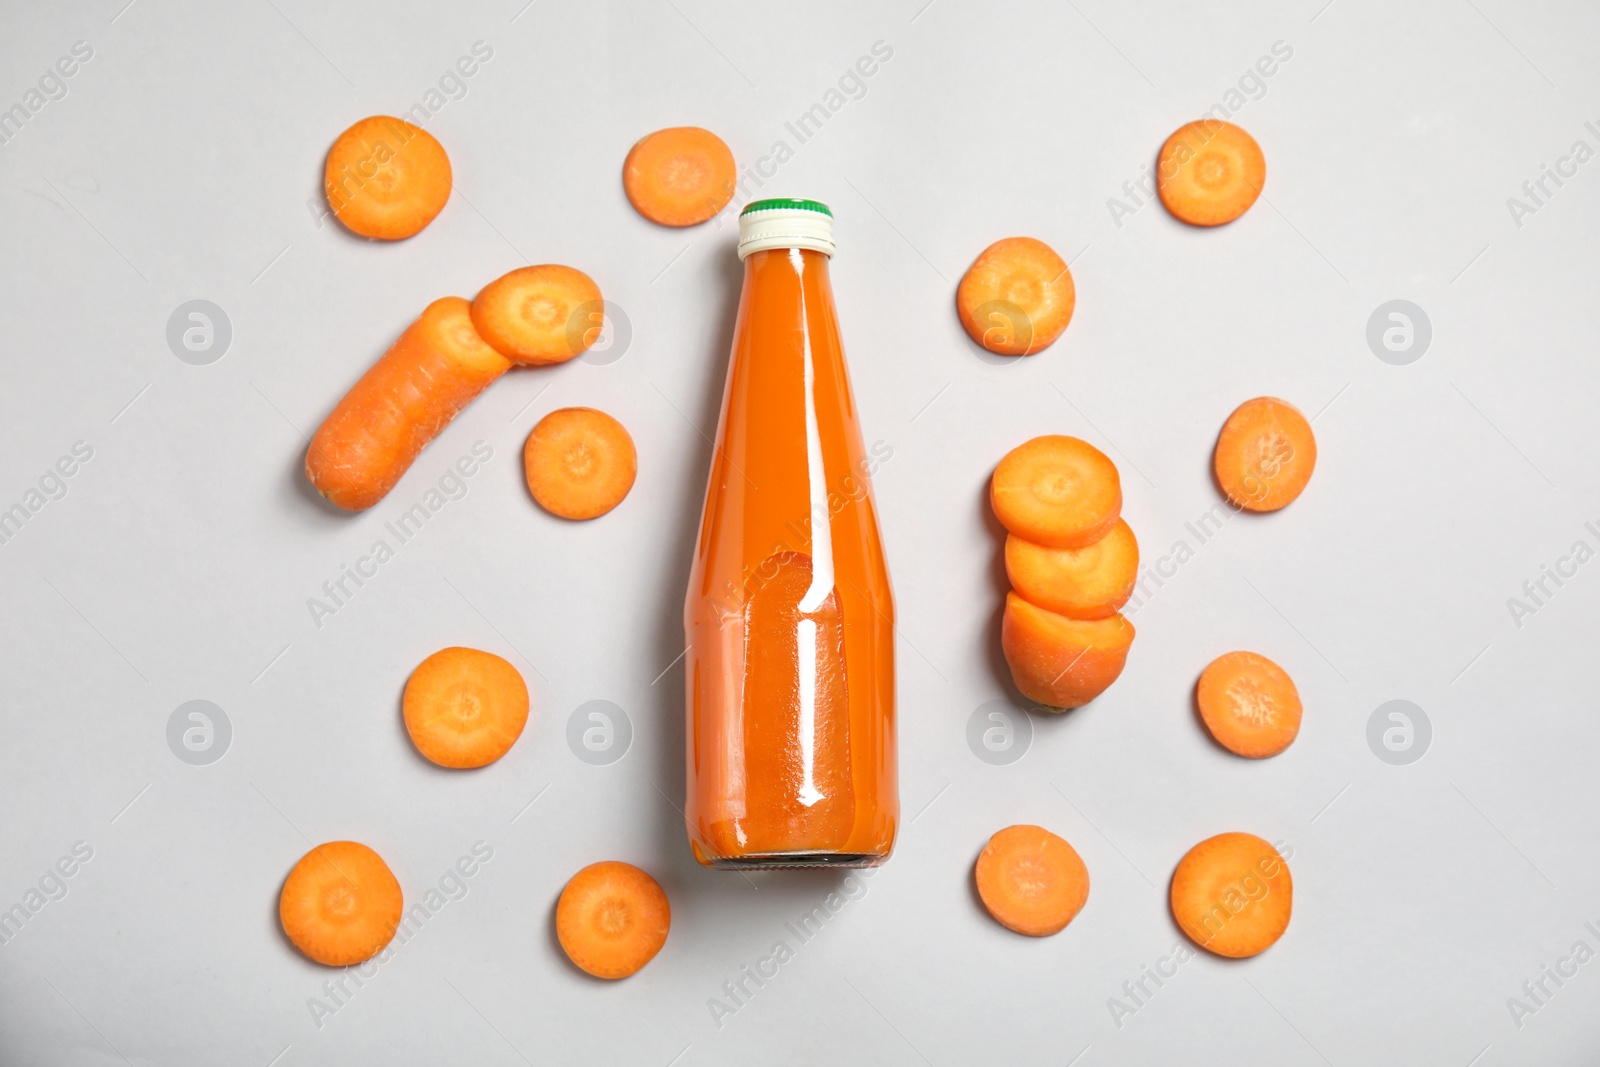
{"points": [[789, 616]]}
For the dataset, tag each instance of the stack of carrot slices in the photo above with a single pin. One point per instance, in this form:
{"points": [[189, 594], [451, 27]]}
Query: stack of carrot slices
{"points": [[1072, 562]]}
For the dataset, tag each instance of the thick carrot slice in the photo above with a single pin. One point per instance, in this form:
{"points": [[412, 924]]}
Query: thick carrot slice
{"points": [[341, 904], [1232, 894], [1210, 172], [1060, 662], [579, 462], [1017, 297], [1091, 582], [538, 315], [1056, 491], [1031, 881], [679, 176], [401, 404], [386, 178], [464, 707], [1265, 454], [612, 919], [1249, 704]]}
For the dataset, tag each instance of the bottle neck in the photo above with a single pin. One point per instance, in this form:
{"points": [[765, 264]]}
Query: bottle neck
{"points": [[800, 260], [787, 288]]}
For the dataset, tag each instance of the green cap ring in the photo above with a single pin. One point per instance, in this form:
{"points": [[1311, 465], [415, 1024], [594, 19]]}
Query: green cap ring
{"points": [[786, 203]]}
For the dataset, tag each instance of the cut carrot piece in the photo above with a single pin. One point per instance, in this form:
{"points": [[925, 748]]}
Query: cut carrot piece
{"points": [[464, 707], [341, 904], [1091, 582], [1232, 894], [679, 176], [612, 919], [1056, 491], [1249, 704], [404, 400], [1265, 454], [1031, 881], [1017, 297], [539, 315], [386, 178], [1210, 172], [579, 462], [1060, 662]]}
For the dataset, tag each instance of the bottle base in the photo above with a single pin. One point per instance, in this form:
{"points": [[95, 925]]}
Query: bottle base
{"points": [[771, 860]]}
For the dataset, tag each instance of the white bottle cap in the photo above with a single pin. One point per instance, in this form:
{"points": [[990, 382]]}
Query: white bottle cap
{"points": [[785, 222]]}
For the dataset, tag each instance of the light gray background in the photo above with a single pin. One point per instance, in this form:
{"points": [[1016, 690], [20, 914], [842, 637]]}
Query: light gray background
{"points": [[178, 565]]}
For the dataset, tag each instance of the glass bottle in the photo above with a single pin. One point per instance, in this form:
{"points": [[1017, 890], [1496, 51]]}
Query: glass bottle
{"points": [[789, 614]]}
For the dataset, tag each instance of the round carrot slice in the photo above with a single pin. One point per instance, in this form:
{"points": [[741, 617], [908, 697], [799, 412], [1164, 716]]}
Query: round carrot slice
{"points": [[386, 178], [1017, 297], [1060, 662], [464, 707], [1031, 881], [679, 176], [1249, 704], [1091, 582], [1057, 491], [1210, 172], [538, 315], [579, 462], [1265, 454], [1232, 894], [612, 919], [341, 904]]}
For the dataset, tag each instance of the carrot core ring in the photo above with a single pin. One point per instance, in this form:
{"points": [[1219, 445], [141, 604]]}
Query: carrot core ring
{"points": [[1210, 172]]}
